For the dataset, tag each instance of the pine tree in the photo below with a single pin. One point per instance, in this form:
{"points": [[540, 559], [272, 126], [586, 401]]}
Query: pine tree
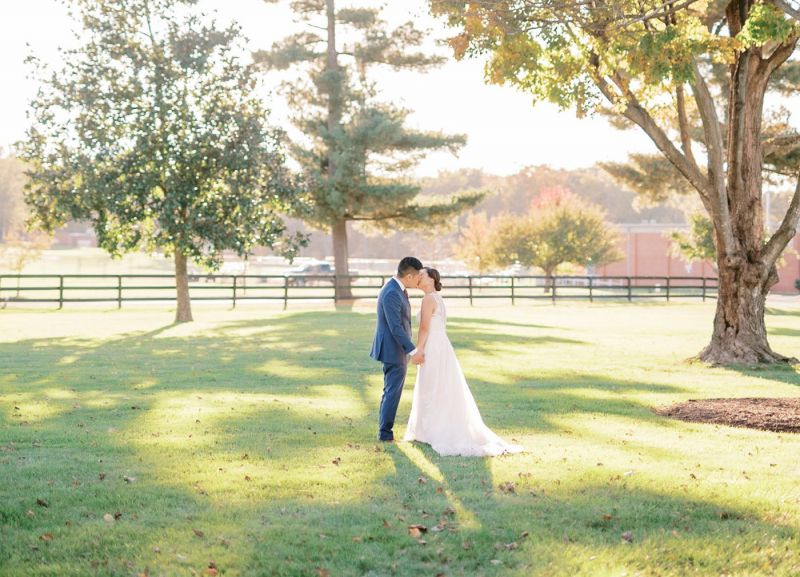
{"points": [[355, 149]]}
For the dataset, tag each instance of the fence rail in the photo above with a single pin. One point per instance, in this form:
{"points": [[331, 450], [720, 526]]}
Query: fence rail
{"points": [[83, 288]]}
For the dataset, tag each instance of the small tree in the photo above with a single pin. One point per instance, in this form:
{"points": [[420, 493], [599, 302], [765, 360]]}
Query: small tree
{"points": [[560, 228], [19, 250], [355, 149], [474, 246], [153, 132]]}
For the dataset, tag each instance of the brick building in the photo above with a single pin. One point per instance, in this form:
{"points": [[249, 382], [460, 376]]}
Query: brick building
{"points": [[647, 253]]}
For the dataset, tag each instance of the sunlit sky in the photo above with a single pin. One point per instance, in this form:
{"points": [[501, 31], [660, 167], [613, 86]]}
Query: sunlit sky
{"points": [[506, 130]]}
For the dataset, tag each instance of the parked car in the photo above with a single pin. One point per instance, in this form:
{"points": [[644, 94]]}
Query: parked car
{"points": [[311, 269]]}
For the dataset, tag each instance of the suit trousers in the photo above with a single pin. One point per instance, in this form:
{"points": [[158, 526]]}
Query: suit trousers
{"points": [[394, 376]]}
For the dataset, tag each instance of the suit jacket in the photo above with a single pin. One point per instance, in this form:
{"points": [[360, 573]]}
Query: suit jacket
{"points": [[392, 341]]}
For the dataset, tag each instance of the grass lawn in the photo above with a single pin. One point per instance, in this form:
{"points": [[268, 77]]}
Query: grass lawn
{"points": [[243, 444]]}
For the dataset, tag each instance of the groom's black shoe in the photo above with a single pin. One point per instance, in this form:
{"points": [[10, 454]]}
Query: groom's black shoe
{"points": [[386, 440]]}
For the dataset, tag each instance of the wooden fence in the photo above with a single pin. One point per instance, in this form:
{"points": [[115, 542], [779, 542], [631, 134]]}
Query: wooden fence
{"points": [[83, 288]]}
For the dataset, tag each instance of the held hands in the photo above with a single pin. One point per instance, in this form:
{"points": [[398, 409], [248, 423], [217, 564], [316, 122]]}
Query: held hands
{"points": [[418, 358]]}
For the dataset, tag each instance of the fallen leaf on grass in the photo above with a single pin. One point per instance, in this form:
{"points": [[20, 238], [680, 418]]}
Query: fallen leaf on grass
{"points": [[322, 572], [46, 537], [117, 516], [495, 562], [42, 503], [466, 545], [627, 536], [449, 512], [439, 528], [422, 479], [508, 487], [102, 476], [358, 540], [108, 518], [198, 533], [386, 524], [337, 460], [524, 535], [129, 479], [30, 514], [417, 530]]}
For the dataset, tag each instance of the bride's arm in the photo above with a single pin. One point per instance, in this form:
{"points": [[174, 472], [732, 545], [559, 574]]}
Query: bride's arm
{"points": [[428, 307]]}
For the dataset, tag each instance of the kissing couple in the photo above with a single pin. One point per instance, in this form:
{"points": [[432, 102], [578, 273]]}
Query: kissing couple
{"points": [[443, 411]]}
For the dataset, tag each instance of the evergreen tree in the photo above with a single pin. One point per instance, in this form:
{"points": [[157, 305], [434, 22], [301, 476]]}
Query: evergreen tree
{"points": [[355, 150]]}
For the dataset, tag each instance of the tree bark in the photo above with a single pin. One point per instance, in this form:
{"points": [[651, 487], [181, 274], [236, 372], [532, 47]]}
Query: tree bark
{"points": [[745, 271], [740, 334], [184, 311], [341, 260]]}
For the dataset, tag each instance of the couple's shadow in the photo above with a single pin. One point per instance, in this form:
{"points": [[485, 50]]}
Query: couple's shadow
{"points": [[437, 489]]}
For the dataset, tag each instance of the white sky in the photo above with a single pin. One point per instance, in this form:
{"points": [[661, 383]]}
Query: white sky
{"points": [[505, 130]]}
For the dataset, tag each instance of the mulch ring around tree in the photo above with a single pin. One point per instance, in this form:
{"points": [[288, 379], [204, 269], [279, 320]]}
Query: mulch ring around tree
{"points": [[779, 415]]}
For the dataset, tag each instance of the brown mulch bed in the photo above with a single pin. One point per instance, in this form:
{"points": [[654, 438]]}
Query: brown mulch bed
{"points": [[780, 415]]}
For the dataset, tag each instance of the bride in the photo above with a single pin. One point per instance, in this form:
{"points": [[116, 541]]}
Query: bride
{"points": [[443, 411]]}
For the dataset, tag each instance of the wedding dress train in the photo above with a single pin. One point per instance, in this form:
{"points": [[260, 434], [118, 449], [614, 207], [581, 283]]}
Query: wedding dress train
{"points": [[443, 411]]}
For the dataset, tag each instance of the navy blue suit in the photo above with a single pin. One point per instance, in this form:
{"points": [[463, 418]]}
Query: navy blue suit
{"points": [[391, 346]]}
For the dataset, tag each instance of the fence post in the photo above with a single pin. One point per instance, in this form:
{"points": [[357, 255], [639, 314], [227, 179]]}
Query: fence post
{"points": [[553, 288], [60, 292], [335, 289], [668, 282], [119, 292], [630, 297], [591, 296], [285, 292], [704, 289], [513, 302], [470, 291], [234, 291]]}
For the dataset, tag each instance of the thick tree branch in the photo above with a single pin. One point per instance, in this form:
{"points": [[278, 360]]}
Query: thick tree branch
{"points": [[683, 125], [716, 167], [784, 234], [637, 114], [781, 144]]}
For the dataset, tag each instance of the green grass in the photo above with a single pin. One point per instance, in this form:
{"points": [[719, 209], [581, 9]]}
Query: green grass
{"points": [[230, 427]]}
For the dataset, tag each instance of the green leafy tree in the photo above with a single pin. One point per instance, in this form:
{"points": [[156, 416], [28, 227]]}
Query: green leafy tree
{"points": [[153, 132], [698, 244], [355, 150], [693, 76], [560, 228]]}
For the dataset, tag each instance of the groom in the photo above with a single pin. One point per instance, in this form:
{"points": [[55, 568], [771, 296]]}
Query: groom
{"points": [[392, 344]]}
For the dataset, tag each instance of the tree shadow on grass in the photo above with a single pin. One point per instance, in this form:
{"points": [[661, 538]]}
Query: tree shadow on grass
{"points": [[266, 414]]}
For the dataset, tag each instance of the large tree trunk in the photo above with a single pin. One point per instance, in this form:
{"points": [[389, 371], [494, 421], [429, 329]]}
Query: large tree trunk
{"points": [[740, 334], [338, 227], [184, 312], [341, 260], [746, 272]]}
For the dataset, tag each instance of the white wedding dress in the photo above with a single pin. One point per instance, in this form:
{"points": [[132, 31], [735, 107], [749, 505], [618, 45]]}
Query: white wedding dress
{"points": [[443, 411]]}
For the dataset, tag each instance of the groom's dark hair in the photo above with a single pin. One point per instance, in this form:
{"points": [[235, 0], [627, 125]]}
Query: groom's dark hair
{"points": [[408, 264]]}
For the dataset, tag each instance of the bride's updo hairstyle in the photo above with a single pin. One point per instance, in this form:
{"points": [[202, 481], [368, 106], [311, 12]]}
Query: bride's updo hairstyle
{"points": [[437, 280]]}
